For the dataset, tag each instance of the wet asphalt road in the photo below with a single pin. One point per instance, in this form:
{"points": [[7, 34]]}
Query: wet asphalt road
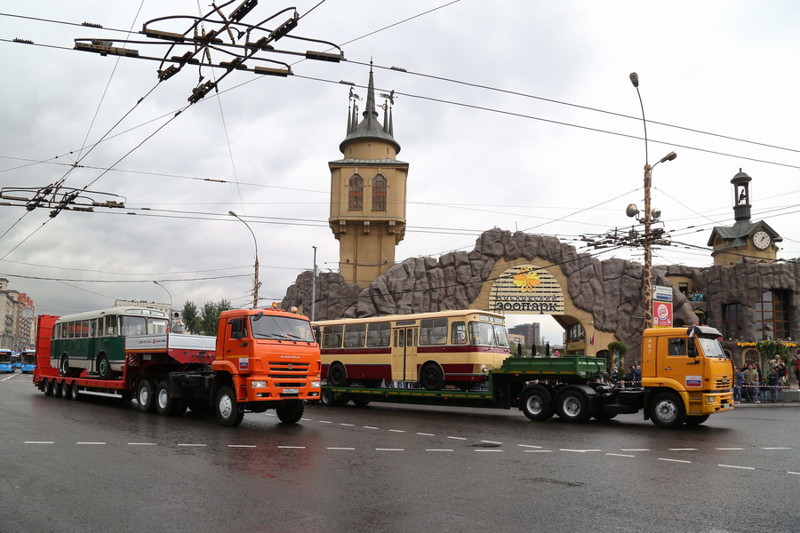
{"points": [[94, 465]]}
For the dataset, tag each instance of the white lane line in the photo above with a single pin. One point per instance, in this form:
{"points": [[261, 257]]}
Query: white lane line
{"points": [[491, 442], [306, 419], [776, 448], [635, 449], [538, 451], [192, 445], [397, 430], [91, 443], [793, 473], [142, 444], [340, 448], [346, 425], [438, 449], [579, 451], [529, 446], [737, 466], [369, 427], [241, 445], [325, 422], [39, 442], [425, 434], [457, 438], [389, 449], [620, 455], [729, 449], [673, 460], [291, 447], [682, 449], [488, 450]]}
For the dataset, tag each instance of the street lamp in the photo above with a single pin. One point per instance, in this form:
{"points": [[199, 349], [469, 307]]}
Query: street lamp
{"points": [[169, 314], [647, 275], [255, 271]]}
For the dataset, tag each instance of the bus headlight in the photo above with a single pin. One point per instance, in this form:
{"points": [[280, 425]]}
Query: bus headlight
{"points": [[484, 369], [315, 384], [258, 384]]}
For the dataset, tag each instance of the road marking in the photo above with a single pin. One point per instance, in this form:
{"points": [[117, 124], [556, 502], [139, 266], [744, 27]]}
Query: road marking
{"points": [[438, 449], [39, 442], [292, 447], [776, 448], [340, 449], [241, 445], [673, 460], [682, 449], [635, 449], [142, 444], [578, 451], [389, 449], [192, 445], [457, 438], [620, 455], [325, 422], [487, 450], [397, 430], [491, 442], [729, 449], [538, 451], [793, 473], [737, 466], [529, 446], [425, 434], [93, 443], [369, 427], [346, 425]]}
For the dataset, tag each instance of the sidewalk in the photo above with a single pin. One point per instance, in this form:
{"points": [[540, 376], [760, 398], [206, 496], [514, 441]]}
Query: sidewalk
{"points": [[786, 398]]}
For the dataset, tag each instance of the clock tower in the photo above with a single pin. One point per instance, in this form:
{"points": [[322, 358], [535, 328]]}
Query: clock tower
{"points": [[745, 240], [368, 192]]}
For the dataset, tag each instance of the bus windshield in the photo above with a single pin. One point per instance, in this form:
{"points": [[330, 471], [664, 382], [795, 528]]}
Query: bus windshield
{"points": [[5, 357], [282, 328], [483, 334], [711, 347]]}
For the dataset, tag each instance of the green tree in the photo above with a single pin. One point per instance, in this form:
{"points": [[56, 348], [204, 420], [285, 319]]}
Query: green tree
{"points": [[209, 315], [769, 348], [191, 319]]}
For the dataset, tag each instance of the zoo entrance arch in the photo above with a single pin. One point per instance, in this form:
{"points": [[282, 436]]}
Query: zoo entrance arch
{"points": [[536, 287]]}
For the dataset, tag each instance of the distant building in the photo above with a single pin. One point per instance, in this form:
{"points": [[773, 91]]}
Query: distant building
{"points": [[17, 319], [529, 332]]}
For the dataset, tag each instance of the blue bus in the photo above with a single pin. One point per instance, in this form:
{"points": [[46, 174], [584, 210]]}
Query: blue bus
{"points": [[7, 361], [27, 361]]}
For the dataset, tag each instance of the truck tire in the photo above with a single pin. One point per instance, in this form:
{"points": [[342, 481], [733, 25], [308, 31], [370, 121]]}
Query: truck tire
{"points": [[431, 377], [536, 404], [572, 405], [328, 399], [72, 392], [166, 404], [146, 395], [58, 389], [696, 420], [103, 367], [667, 411], [229, 412], [290, 411], [63, 365], [47, 388], [337, 375]]}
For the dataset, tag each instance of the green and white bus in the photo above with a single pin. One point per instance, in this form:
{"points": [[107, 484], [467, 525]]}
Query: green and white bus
{"points": [[95, 341]]}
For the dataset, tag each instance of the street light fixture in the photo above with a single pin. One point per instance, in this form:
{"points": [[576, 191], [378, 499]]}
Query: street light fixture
{"points": [[169, 314], [647, 275], [255, 268]]}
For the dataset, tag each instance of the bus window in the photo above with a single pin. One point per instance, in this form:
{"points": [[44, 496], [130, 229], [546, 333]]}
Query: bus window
{"points": [[378, 334], [133, 325], [433, 331], [93, 329], [354, 335], [332, 337], [156, 326], [111, 326], [459, 333]]}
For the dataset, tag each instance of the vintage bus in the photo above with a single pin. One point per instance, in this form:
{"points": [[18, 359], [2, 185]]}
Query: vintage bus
{"points": [[28, 361], [430, 349], [7, 361], [95, 341]]}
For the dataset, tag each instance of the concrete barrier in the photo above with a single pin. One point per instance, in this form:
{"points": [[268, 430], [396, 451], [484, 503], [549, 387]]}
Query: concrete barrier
{"points": [[789, 395]]}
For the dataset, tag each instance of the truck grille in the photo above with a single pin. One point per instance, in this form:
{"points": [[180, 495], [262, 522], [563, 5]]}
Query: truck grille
{"points": [[280, 369], [723, 383]]}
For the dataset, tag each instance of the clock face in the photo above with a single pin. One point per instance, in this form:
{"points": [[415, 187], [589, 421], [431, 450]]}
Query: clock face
{"points": [[761, 240]]}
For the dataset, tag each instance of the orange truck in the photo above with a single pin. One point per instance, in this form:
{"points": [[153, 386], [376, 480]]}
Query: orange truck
{"points": [[260, 359]]}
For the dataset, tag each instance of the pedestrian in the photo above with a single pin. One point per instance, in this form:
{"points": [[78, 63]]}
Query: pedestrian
{"points": [[751, 384], [764, 390], [737, 385], [637, 375], [773, 382], [613, 374]]}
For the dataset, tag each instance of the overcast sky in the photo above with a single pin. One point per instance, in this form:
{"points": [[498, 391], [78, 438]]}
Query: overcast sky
{"points": [[511, 114]]}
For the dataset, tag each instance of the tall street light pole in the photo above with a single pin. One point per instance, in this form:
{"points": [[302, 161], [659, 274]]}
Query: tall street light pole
{"points": [[314, 287], [647, 274], [255, 272], [169, 314]]}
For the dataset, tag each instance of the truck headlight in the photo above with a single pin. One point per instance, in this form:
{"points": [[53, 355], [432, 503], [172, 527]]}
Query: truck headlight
{"points": [[258, 384], [710, 399], [315, 384]]}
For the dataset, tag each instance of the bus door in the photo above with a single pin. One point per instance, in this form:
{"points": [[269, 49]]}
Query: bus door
{"points": [[404, 351]]}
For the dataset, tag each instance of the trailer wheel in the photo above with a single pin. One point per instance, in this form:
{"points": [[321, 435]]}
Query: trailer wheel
{"points": [[337, 375], [360, 402], [573, 406], [103, 367], [328, 399], [72, 393], [47, 387], [431, 377], [166, 404], [536, 404], [58, 389], [667, 410], [229, 412], [290, 411], [696, 420], [146, 395]]}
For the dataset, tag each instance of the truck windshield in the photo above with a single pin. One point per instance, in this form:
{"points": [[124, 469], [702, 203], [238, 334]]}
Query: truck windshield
{"points": [[483, 334], [280, 327], [712, 347]]}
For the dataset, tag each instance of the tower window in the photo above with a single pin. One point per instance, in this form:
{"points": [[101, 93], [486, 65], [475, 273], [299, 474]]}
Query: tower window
{"points": [[379, 193], [772, 315], [355, 194]]}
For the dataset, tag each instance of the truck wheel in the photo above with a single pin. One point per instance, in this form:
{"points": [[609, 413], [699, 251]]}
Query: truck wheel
{"points": [[166, 404], [103, 367], [337, 375], [431, 377], [146, 395], [58, 389], [667, 410], [290, 411], [47, 387], [537, 405], [72, 393], [696, 420], [229, 412], [572, 405], [63, 365]]}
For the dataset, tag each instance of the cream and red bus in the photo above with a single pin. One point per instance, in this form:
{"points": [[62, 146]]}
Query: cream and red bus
{"points": [[431, 349]]}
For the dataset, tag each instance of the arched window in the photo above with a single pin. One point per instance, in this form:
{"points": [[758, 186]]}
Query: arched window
{"points": [[355, 194], [772, 315], [379, 193]]}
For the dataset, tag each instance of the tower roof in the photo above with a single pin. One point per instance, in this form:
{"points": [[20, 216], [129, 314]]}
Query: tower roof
{"points": [[369, 128]]}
